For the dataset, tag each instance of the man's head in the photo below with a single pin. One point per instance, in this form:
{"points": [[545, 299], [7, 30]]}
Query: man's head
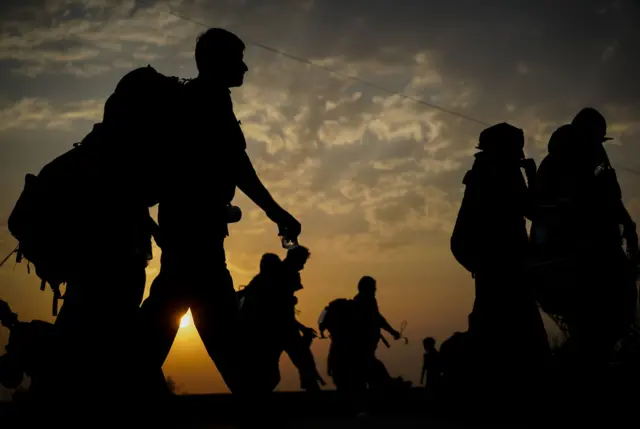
{"points": [[429, 343], [367, 286], [591, 128], [503, 141], [269, 263], [298, 257], [219, 57], [591, 125], [564, 141]]}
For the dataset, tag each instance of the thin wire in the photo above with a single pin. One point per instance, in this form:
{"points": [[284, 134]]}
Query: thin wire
{"points": [[341, 74], [355, 78]]}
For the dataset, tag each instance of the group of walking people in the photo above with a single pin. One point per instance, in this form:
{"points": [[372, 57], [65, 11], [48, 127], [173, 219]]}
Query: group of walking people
{"points": [[84, 222], [84, 225], [578, 264]]}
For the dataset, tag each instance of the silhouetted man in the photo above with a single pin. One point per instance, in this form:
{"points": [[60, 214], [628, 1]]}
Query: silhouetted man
{"points": [[589, 280], [367, 305], [261, 311], [96, 341], [495, 205], [202, 172], [431, 368], [268, 305], [298, 337], [371, 324]]}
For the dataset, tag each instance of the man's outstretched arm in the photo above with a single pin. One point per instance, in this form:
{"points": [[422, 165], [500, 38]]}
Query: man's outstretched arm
{"points": [[251, 185], [387, 327]]}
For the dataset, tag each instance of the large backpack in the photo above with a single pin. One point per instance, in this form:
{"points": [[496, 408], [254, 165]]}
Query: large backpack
{"points": [[465, 242], [339, 317], [463, 239], [57, 215]]}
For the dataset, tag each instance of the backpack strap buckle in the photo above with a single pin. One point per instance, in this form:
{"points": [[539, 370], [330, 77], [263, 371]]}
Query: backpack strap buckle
{"points": [[56, 297]]}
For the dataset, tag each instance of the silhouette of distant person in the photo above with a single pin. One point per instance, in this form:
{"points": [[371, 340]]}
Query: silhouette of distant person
{"points": [[251, 297], [372, 320], [298, 336], [262, 311], [367, 370], [584, 275], [195, 192], [268, 305], [344, 364], [490, 239], [431, 366]]}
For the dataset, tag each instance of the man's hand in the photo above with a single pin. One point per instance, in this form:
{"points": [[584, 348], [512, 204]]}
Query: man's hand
{"points": [[288, 226], [396, 335]]}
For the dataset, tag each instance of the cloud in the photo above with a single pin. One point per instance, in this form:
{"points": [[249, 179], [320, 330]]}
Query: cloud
{"points": [[37, 113], [84, 37], [375, 168]]}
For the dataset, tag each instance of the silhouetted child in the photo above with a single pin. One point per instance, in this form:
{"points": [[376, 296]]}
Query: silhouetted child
{"points": [[431, 367]]}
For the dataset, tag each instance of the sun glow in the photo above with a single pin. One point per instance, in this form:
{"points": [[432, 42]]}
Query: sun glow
{"points": [[186, 320]]}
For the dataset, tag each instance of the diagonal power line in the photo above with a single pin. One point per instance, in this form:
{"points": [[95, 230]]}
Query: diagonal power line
{"points": [[364, 82], [341, 74]]}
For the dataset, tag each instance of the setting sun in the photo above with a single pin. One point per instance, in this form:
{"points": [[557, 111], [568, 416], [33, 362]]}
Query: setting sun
{"points": [[186, 320]]}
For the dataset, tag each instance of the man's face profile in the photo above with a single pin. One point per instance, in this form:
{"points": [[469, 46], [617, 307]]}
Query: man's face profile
{"points": [[236, 68]]}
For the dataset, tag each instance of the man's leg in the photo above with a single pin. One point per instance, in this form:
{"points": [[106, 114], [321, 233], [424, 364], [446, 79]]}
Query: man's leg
{"points": [[295, 349], [214, 306], [299, 350], [96, 340], [161, 312]]}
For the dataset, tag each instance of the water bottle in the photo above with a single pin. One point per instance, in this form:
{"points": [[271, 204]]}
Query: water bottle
{"points": [[288, 243]]}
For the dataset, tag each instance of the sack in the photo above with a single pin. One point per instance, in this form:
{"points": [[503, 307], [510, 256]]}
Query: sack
{"points": [[61, 211], [464, 237], [338, 317], [146, 111], [146, 101], [51, 219]]}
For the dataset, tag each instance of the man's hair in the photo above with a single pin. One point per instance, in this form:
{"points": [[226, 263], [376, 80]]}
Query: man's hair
{"points": [[215, 42], [429, 341], [269, 261], [366, 283], [300, 253]]}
